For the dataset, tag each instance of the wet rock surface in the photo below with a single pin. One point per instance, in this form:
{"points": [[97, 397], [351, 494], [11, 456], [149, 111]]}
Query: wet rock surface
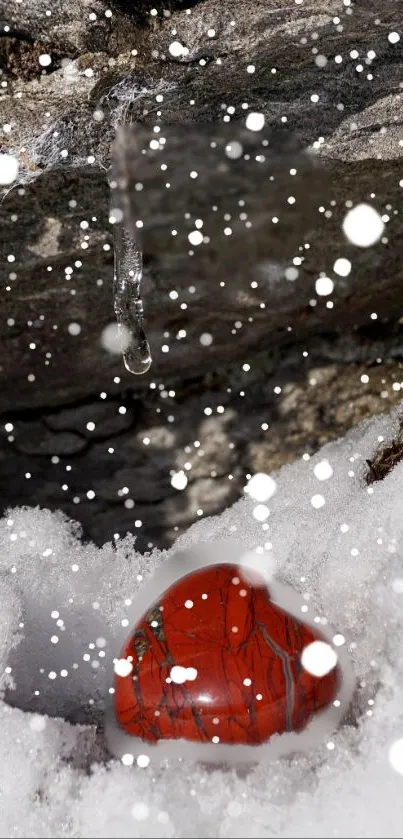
{"points": [[328, 81]]}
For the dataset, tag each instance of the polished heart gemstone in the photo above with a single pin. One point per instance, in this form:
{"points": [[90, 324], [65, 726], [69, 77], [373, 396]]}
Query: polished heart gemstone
{"points": [[215, 660]]}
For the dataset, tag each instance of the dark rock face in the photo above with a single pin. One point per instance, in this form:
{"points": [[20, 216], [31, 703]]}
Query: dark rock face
{"points": [[327, 80], [116, 476]]}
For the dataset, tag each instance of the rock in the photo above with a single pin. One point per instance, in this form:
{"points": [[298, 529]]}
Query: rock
{"points": [[95, 421], [43, 223], [46, 228], [131, 62], [238, 638], [77, 27], [35, 439], [336, 122], [216, 436]]}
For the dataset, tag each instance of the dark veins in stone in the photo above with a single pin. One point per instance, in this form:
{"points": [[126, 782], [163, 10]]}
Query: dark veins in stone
{"points": [[241, 658]]}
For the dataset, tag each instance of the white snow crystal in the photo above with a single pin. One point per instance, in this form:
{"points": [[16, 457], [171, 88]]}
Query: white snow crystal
{"points": [[261, 487], [324, 286], [323, 470], [45, 59], [179, 480], [8, 169], [318, 658], [261, 512], [342, 267], [234, 150], [115, 215], [195, 237], [254, 121], [317, 501], [180, 675], [291, 273], [177, 50], [191, 673], [123, 667], [127, 759], [396, 755], [339, 639], [115, 338], [363, 225]]}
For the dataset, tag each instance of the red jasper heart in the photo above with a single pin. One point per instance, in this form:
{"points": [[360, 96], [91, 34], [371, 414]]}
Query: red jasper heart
{"points": [[214, 660]]}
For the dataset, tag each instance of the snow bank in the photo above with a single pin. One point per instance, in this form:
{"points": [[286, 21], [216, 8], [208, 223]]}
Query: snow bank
{"points": [[60, 600]]}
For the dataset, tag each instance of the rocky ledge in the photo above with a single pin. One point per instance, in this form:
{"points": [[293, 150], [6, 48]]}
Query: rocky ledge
{"points": [[237, 325]]}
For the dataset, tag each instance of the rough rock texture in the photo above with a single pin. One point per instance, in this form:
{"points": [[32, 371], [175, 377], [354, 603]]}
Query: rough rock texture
{"points": [[337, 122], [204, 428]]}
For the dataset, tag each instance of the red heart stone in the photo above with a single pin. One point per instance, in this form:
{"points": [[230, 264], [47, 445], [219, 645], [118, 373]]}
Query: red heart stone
{"points": [[215, 660]]}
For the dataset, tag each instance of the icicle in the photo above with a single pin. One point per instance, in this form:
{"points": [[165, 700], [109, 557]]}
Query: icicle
{"points": [[128, 303], [128, 272]]}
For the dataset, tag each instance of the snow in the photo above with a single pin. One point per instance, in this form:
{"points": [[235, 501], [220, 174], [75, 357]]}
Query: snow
{"points": [[318, 658], [323, 470], [255, 121], [179, 480], [55, 777], [324, 286], [115, 339], [342, 267], [234, 150], [45, 60], [261, 487], [195, 237], [8, 169], [363, 226], [177, 50]]}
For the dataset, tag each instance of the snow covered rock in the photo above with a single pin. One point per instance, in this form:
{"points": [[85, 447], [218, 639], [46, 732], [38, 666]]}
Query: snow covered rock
{"points": [[344, 555]]}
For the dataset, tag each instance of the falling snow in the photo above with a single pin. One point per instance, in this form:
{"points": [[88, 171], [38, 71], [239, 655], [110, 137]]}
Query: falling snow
{"points": [[8, 169], [363, 225]]}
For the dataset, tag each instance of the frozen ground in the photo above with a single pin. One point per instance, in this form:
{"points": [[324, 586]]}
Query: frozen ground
{"points": [[60, 601]]}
